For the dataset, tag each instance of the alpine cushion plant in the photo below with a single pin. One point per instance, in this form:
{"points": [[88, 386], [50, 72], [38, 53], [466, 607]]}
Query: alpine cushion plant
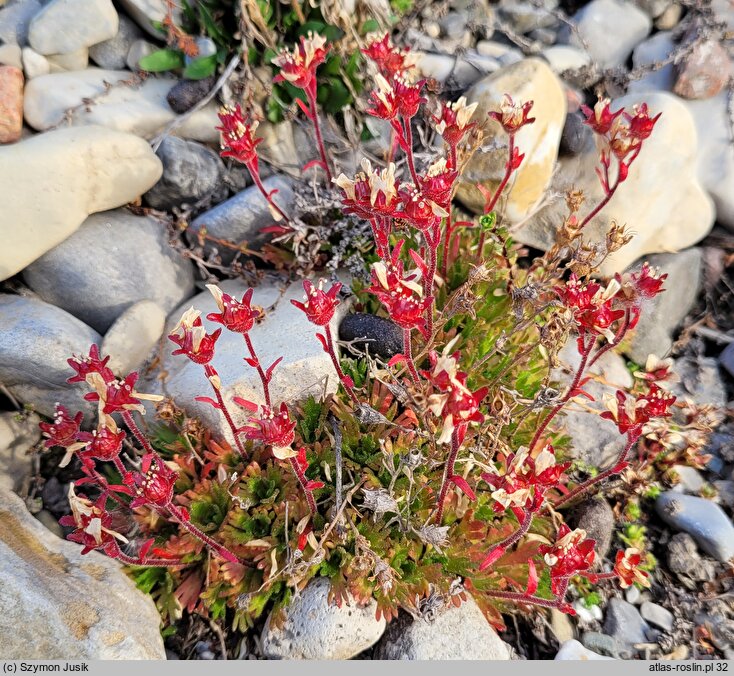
{"points": [[435, 473]]}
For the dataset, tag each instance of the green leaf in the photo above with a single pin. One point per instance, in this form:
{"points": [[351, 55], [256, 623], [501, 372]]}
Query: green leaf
{"points": [[488, 220], [201, 68], [369, 26], [162, 60], [334, 96]]}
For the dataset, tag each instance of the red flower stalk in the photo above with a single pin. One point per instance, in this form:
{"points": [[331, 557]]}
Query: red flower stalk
{"points": [[239, 142], [572, 553], [622, 136], [299, 68], [271, 428], [192, 338], [319, 305], [85, 365], [626, 567], [390, 60]]}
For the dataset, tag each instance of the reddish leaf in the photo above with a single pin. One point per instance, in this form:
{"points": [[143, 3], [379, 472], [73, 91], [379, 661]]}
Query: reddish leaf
{"points": [[460, 482], [494, 555], [532, 578], [271, 368], [208, 400]]}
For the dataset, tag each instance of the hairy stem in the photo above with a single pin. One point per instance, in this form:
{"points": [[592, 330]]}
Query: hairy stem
{"points": [[303, 481], [260, 371], [337, 366], [556, 409], [256, 179], [311, 94], [632, 436], [408, 352], [137, 432], [409, 152], [448, 472], [155, 563], [182, 520], [210, 372]]}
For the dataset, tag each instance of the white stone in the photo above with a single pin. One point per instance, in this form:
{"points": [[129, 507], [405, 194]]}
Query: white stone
{"points": [[77, 60], [10, 55], [610, 29], [284, 332], [653, 50], [18, 434], [715, 153], [133, 336], [59, 605], [461, 633], [148, 12], [137, 51], [573, 650], [51, 182], [662, 201], [315, 629], [464, 70], [64, 26], [132, 106], [34, 64], [529, 80], [565, 57]]}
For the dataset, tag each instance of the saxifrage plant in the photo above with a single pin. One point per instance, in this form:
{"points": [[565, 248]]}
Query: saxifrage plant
{"points": [[439, 472]]}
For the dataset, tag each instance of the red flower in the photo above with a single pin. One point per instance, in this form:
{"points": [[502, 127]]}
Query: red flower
{"points": [[319, 306], [238, 136], [273, 429], [64, 429], [401, 293], [103, 443], [153, 484], [89, 364], [438, 183], [647, 283], [656, 402], [299, 65], [420, 211], [192, 339], [572, 553], [372, 194], [453, 122], [408, 96], [513, 117], [454, 402], [592, 306], [641, 124], [526, 479], [601, 118], [389, 60], [626, 566], [118, 394], [237, 316], [384, 100], [92, 523]]}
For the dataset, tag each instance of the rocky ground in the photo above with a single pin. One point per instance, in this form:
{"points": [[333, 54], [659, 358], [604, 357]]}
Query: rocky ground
{"points": [[106, 183]]}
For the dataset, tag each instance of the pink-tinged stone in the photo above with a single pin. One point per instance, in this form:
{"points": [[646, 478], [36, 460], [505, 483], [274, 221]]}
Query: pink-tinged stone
{"points": [[11, 103], [704, 72]]}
